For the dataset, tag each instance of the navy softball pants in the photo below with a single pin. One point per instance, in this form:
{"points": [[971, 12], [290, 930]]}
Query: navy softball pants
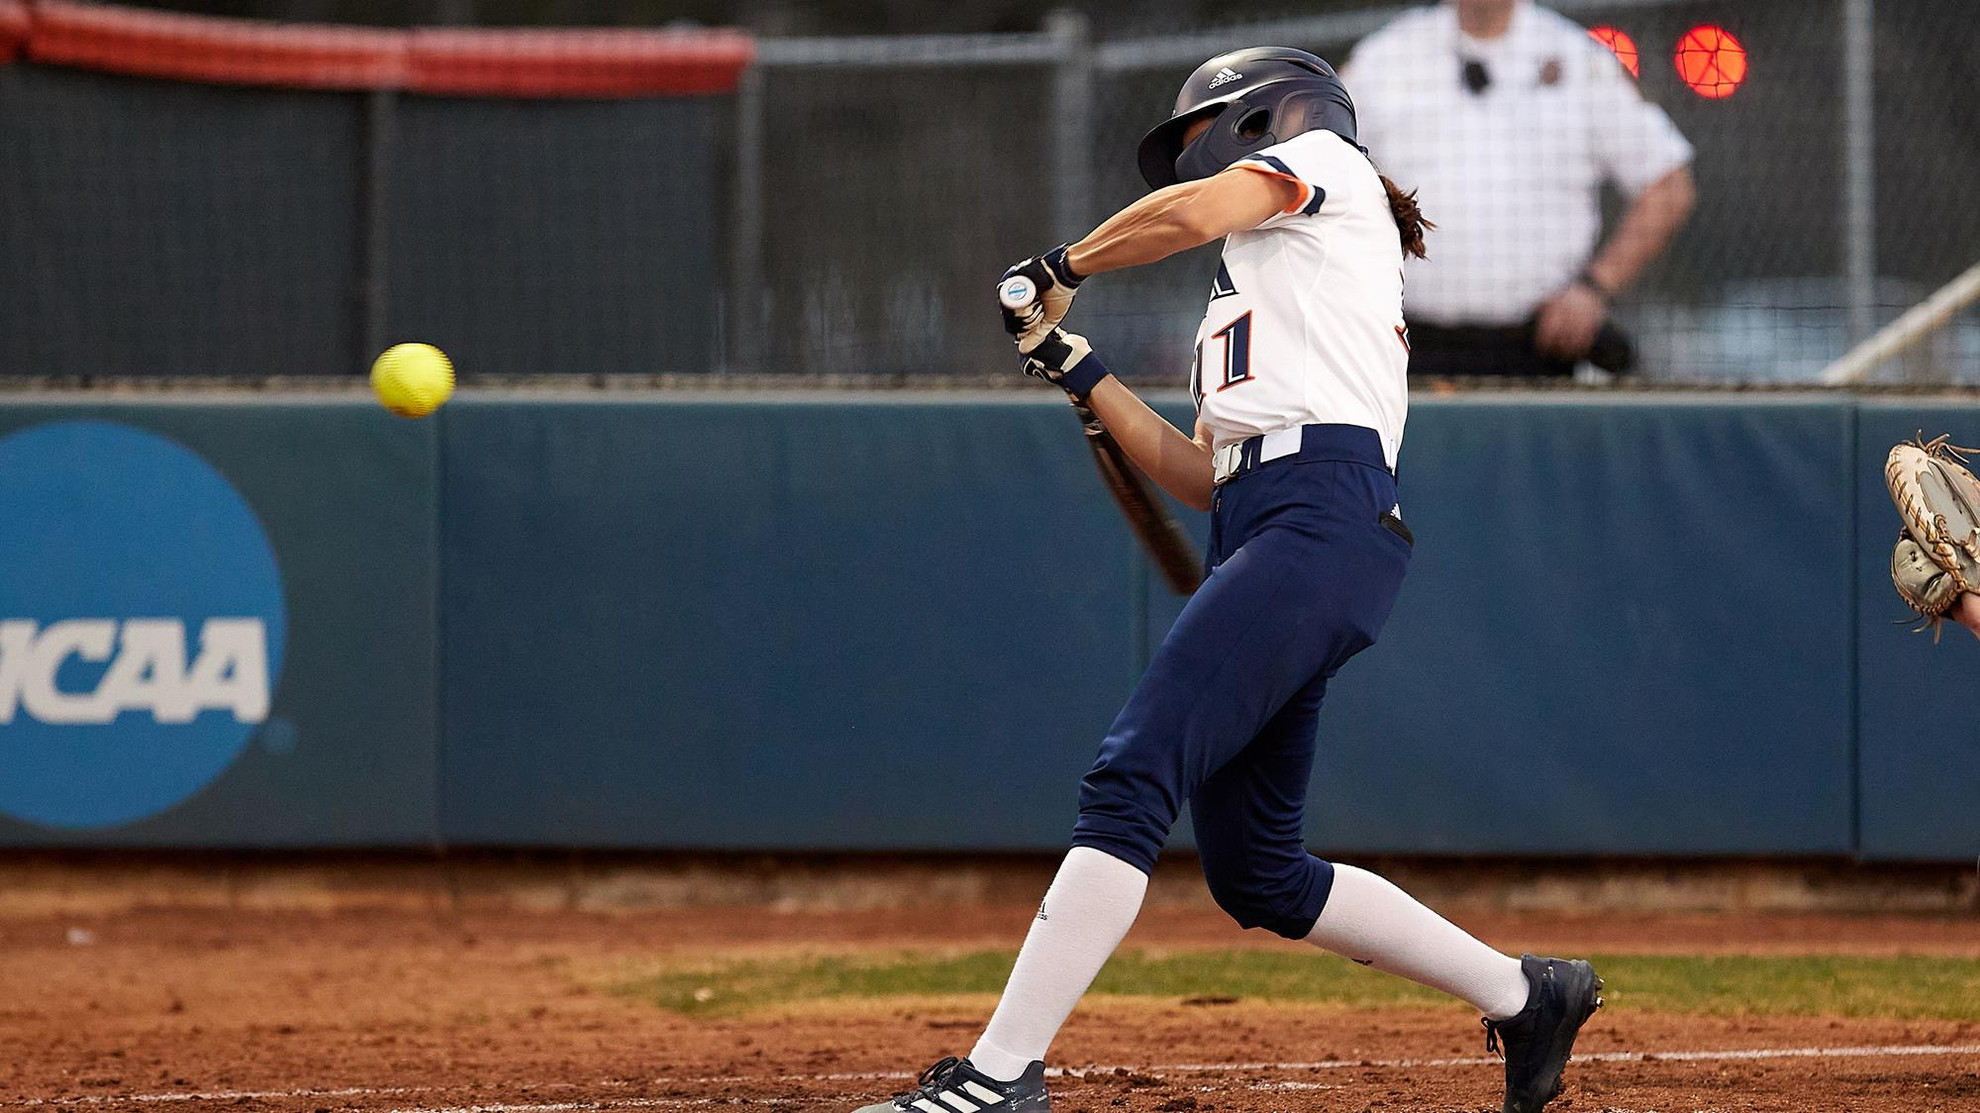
{"points": [[1304, 570]]}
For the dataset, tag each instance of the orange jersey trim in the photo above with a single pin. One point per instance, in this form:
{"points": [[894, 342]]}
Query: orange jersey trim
{"points": [[1305, 190]]}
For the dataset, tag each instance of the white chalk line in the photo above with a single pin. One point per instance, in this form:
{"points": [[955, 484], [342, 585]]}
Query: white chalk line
{"points": [[1598, 1057], [230, 1095], [1154, 1071], [627, 1103], [683, 1103], [1406, 1064]]}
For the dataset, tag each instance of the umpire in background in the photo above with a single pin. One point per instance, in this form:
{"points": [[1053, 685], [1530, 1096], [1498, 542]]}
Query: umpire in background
{"points": [[1507, 119]]}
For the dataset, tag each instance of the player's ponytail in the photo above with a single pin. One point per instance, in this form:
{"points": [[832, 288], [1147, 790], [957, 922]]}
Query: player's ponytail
{"points": [[1410, 223]]}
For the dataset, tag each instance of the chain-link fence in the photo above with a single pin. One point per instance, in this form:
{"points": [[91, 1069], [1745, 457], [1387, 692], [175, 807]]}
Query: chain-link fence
{"points": [[183, 229], [845, 209], [885, 183]]}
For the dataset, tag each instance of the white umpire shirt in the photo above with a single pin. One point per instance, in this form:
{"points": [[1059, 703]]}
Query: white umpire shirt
{"points": [[1511, 175]]}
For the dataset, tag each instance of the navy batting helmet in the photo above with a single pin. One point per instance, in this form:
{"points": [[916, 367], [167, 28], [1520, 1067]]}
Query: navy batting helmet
{"points": [[1256, 97]]}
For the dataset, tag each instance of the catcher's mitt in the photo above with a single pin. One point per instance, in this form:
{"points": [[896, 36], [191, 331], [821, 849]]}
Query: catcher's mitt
{"points": [[1938, 554]]}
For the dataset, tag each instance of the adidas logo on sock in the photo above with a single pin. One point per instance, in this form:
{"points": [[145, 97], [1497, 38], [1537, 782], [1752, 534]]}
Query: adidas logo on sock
{"points": [[1225, 76]]}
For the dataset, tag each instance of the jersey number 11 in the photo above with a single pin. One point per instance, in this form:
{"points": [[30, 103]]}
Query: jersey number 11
{"points": [[1237, 357]]}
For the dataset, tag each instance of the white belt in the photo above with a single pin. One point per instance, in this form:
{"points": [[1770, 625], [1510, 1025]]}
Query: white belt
{"points": [[1233, 459]]}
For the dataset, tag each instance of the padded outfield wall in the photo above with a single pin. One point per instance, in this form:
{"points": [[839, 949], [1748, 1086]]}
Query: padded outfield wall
{"points": [[775, 621]]}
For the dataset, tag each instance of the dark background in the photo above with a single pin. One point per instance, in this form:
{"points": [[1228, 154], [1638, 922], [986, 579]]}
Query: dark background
{"points": [[169, 228], [770, 17]]}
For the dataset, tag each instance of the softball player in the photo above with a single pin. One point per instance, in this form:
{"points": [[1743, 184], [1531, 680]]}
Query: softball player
{"points": [[1300, 383]]}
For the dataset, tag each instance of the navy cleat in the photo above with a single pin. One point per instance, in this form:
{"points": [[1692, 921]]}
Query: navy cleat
{"points": [[1537, 1042], [955, 1086]]}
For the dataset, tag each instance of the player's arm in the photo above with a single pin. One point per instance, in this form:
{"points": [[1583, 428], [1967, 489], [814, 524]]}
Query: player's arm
{"points": [[1966, 612], [1178, 462], [1157, 226], [1183, 216]]}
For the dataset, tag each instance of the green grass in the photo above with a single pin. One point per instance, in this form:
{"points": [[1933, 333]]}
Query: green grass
{"points": [[1903, 987]]}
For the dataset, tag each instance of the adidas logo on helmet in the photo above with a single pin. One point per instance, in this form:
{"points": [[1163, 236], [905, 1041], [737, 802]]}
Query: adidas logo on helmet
{"points": [[1225, 76]]}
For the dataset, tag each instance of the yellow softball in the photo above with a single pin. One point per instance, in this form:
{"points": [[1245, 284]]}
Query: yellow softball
{"points": [[412, 380]]}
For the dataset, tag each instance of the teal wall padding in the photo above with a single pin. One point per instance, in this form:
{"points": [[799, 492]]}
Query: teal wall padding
{"points": [[1649, 625]]}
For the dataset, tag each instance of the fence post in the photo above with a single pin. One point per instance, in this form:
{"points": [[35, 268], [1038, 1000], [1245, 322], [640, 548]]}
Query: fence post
{"points": [[745, 349], [1859, 155], [381, 108], [1073, 89]]}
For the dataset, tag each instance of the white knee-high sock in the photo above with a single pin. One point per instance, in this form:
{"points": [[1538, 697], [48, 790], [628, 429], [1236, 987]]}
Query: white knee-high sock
{"points": [[1371, 921], [1090, 906]]}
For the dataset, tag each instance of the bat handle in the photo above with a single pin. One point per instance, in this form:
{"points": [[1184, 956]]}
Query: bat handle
{"points": [[1017, 293]]}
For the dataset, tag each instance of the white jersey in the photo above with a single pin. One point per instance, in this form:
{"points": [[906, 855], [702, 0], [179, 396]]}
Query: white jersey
{"points": [[1305, 324]]}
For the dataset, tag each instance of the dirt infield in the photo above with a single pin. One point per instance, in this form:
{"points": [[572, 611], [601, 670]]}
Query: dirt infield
{"points": [[404, 1009]]}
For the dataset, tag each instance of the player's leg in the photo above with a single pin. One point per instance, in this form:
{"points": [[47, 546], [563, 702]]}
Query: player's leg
{"points": [[1310, 582], [1249, 820], [1260, 627], [1250, 833], [1087, 910], [1370, 920]]}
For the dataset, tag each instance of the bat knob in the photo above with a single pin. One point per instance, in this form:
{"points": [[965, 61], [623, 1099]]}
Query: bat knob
{"points": [[1017, 292]]}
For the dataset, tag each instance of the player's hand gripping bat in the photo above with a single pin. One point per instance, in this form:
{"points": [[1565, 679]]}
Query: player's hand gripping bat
{"points": [[1161, 537], [1052, 284]]}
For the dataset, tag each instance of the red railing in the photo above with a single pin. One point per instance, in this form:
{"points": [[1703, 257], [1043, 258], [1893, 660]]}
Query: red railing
{"points": [[488, 62]]}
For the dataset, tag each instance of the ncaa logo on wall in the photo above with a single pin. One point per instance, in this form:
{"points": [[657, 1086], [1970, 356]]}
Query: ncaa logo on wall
{"points": [[141, 624]]}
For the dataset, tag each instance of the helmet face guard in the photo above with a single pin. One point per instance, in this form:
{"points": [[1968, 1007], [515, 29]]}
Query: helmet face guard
{"points": [[1254, 99]]}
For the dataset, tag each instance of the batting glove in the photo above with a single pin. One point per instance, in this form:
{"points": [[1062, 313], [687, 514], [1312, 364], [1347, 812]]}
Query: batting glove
{"points": [[1067, 361], [1056, 284]]}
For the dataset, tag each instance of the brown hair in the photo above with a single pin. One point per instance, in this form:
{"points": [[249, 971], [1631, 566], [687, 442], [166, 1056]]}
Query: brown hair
{"points": [[1410, 223]]}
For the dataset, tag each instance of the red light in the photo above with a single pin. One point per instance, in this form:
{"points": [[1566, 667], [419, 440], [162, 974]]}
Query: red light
{"points": [[1619, 42], [1711, 61]]}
